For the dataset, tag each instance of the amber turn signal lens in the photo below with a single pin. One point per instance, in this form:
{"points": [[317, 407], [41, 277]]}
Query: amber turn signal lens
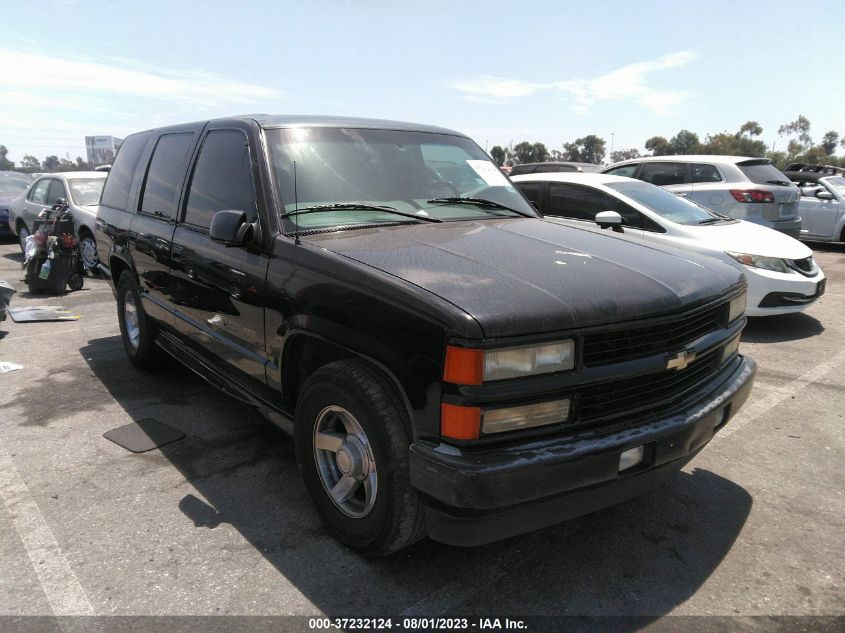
{"points": [[463, 366], [460, 423]]}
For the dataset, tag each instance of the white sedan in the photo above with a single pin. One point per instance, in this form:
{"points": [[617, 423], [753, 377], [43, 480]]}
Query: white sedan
{"points": [[781, 272]]}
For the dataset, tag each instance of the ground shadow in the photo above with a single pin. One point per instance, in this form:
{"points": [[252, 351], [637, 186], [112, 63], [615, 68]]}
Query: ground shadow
{"points": [[644, 557], [781, 328]]}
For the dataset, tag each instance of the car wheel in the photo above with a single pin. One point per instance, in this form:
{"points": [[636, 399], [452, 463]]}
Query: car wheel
{"points": [[137, 330], [23, 233], [352, 451], [88, 250]]}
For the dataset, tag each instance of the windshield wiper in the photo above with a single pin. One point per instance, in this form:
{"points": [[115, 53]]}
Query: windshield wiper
{"points": [[711, 220], [778, 182], [358, 206], [478, 202]]}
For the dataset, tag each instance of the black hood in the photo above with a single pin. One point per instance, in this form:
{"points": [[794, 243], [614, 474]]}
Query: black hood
{"points": [[526, 276]]}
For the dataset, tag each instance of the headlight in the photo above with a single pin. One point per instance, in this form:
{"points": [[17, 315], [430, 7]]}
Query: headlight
{"points": [[730, 349], [528, 360], [737, 307], [525, 417], [759, 261]]}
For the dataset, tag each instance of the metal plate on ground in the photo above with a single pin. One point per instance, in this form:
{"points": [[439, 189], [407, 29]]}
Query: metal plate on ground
{"points": [[143, 435], [41, 313]]}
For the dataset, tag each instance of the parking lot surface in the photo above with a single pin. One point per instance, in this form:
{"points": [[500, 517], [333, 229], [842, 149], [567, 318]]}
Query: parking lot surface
{"points": [[219, 523]]}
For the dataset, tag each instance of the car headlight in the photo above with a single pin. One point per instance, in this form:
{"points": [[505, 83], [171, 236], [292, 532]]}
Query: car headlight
{"points": [[759, 261], [737, 307], [528, 360]]}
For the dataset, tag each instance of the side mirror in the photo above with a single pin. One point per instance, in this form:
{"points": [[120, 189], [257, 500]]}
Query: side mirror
{"points": [[609, 219], [822, 194], [60, 202], [230, 227]]}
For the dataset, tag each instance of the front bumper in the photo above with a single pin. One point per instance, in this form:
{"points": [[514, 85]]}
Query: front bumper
{"points": [[771, 293], [474, 498]]}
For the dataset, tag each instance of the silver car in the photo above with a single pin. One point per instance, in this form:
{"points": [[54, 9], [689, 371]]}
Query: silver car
{"points": [[744, 188], [82, 191], [822, 204]]}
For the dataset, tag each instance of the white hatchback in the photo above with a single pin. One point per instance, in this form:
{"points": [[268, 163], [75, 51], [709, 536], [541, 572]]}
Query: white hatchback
{"points": [[781, 272]]}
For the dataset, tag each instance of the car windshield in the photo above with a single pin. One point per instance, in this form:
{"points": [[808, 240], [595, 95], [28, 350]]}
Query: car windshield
{"points": [[665, 203], [838, 183], [339, 175], [85, 192], [14, 185]]}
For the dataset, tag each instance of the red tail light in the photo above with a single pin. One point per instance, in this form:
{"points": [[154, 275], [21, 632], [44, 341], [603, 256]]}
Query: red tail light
{"points": [[752, 195]]}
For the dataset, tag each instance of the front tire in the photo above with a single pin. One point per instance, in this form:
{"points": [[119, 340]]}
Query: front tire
{"points": [[88, 250], [137, 330], [23, 233], [352, 451]]}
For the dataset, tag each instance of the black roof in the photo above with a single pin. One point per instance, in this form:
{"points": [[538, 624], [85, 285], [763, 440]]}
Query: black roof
{"points": [[289, 120]]}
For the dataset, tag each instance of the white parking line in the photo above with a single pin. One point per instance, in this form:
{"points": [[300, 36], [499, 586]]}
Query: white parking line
{"points": [[757, 409], [60, 584]]}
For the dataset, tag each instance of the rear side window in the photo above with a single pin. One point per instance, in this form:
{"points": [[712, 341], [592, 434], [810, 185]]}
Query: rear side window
{"points": [[533, 191], [38, 195], [57, 190], [762, 172], [626, 170], [161, 186], [116, 190], [664, 174], [222, 179], [700, 172]]}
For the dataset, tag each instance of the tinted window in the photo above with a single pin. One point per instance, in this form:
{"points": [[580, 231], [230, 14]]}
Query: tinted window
{"points": [[582, 203], [57, 190], [533, 191], [38, 195], [222, 178], [700, 172], [663, 174], [625, 170], [116, 190], [161, 186], [762, 172]]}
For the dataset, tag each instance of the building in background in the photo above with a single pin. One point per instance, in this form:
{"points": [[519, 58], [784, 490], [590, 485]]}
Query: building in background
{"points": [[101, 149]]}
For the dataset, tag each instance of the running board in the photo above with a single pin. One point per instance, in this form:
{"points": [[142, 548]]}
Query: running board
{"points": [[205, 370]]}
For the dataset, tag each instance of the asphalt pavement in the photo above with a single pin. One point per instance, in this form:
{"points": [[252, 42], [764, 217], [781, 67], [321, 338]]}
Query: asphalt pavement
{"points": [[219, 523]]}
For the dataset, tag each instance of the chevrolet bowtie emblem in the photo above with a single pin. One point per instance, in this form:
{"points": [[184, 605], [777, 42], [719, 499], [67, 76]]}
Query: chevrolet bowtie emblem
{"points": [[680, 360]]}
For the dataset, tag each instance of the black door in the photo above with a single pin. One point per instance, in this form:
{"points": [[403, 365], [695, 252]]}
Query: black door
{"points": [[151, 233], [218, 291]]}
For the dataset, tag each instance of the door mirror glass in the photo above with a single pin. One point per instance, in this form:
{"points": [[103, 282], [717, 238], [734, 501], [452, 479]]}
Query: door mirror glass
{"points": [[230, 227], [609, 219]]}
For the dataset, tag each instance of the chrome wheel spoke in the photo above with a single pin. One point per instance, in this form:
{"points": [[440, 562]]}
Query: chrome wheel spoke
{"points": [[329, 440], [345, 488]]}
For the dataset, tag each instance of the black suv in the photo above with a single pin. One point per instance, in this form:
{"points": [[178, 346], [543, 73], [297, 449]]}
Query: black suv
{"points": [[448, 362]]}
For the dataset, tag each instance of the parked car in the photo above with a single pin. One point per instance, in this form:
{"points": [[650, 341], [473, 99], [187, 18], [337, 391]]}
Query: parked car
{"points": [[82, 191], [822, 204], [781, 272], [447, 361], [12, 185], [743, 188], [550, 166]]}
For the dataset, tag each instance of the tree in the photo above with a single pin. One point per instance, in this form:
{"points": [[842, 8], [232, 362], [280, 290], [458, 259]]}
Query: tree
{"points": [[752, 128], [589, 149], [658, 146], [829, 142], [83, 164], [685, 142], [66, 165], [624, 154], [523, 153], [541, 154], [801, 127], [51, 163], [5, 163], [29, 163], [497, 153]]}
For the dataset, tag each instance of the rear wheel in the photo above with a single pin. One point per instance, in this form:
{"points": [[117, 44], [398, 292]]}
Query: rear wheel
{"points": [[137, 330], [23, 233], [352, 451]]}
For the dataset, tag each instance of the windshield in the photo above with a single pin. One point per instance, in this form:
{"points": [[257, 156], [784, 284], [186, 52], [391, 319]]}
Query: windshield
{"points": [[14, 184], [415, 173], [838, 183], [665, 203], [85, 192]]}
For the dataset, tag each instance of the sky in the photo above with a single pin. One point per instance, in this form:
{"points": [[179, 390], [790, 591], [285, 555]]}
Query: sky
{"points": [[499, 72]]}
